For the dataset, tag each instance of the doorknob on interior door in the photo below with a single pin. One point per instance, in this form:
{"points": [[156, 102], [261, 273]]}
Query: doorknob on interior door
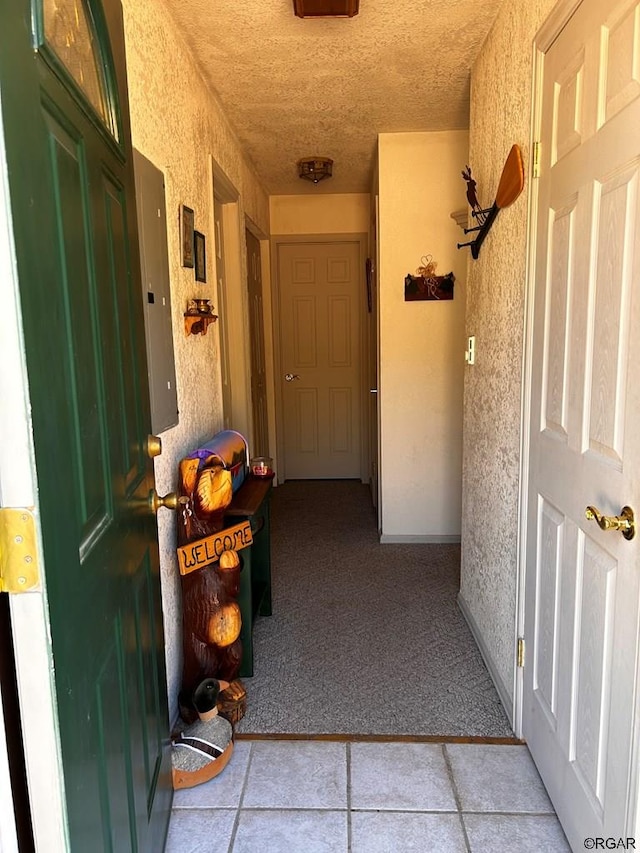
{"points": [[289, 377], [625, 522]]}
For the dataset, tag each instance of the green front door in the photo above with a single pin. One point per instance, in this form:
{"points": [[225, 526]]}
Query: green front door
{"points": [[65, 117]]}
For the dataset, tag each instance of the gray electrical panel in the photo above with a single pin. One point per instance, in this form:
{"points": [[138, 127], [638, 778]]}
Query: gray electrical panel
{"points": [[154, 262]]}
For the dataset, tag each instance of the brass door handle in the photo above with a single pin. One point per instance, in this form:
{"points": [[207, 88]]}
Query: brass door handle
{"points": [[169, 501], [289, 377], [625, 522]]}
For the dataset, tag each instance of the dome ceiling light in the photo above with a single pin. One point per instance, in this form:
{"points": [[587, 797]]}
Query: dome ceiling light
{"points": [[326, 8], [315, 169]]}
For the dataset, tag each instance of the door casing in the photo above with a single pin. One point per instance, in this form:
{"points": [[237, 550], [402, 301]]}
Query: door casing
{"points": [[255, 291], [232, 303]]}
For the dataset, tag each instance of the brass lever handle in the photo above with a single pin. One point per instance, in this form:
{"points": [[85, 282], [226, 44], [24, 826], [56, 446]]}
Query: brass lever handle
{"points": [[625, 522], [289, 377], [169, 501]]}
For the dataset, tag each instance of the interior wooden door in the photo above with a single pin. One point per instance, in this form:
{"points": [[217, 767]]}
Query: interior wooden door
{"points": [[582, 583], [64, 101], [320, 350], [260, 445]]}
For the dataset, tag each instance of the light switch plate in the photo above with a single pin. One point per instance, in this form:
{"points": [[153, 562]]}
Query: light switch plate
{"points": [[470, 353]]}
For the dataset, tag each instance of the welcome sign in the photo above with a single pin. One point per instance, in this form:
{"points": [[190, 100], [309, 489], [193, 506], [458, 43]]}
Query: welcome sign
{"points": [[202, 552]]}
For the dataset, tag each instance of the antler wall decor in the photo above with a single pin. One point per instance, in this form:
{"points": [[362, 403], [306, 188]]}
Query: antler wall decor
{"points": [[510, 186]]}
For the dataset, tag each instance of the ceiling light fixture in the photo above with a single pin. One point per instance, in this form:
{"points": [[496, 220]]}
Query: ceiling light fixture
{"points": [[315, 168], [326, 8]]}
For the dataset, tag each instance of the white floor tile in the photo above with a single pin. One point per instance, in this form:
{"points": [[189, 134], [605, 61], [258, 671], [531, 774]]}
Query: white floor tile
{"points": [[497, 779], [391, 832], [297, 774], [200, 830], [515, 834], [401, 798], [276, 831], [402, 776]]}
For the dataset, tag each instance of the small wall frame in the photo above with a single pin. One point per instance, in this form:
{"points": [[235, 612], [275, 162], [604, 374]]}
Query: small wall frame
{"points": [[186, 235], [200, 255]]}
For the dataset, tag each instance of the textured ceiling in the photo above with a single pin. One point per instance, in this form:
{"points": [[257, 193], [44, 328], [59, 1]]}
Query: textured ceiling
{"points": [[295, 87]]}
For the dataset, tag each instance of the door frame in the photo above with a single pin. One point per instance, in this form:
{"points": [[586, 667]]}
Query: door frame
{"points": [[29, 611], [373, 355], [278, 240], [267, 330], [232, 305], [547, 34]]}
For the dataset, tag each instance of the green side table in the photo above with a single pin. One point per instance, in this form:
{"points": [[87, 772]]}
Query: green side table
{"points": [[251, 503]]}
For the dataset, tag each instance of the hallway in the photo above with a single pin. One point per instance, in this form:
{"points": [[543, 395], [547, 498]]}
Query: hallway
{"points": [[365, 638], [327, 797]]}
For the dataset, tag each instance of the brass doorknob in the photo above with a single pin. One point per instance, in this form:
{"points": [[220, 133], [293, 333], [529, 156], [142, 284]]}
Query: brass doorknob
{"points": [[625, 522], [169, 501], [289, 377], [153, 446]]}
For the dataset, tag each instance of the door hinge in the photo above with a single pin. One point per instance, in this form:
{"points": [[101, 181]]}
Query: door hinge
{"points": [[520, 651], [536, 159], [19, 569]]}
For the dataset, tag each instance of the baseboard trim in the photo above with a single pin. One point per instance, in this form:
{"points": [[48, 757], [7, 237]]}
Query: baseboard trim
{"points": [[360, 738], [503, 694], [408, 538]]}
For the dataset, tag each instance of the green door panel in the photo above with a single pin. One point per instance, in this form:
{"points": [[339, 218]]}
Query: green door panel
{"points": [[74, 218], [80, 358], [126, 307]]}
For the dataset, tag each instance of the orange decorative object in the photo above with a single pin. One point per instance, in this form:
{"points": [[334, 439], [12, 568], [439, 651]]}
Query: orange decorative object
{"points": [[213, 490], [225, 625], [197, 324], [210, 613], [232, 702], [204, 552], [229, 560], [212, 617], [509, 189]]}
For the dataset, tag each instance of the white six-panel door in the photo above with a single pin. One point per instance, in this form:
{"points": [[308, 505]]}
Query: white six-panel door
{"points": [[583, 584]]}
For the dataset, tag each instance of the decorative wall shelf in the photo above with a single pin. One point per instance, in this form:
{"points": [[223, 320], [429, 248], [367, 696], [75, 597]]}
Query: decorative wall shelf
{"points": [[510, 186], [461, 217], [197, 324]]}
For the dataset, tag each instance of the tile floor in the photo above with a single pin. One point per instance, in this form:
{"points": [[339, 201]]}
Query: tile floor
{"points": [[325, 797]]}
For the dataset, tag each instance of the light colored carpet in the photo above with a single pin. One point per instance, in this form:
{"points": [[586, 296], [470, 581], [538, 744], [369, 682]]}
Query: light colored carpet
{"points": [[364, 638]]}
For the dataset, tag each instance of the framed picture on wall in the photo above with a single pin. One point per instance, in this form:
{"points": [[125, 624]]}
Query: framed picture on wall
{"points": [[200, 251], [186, 235]]}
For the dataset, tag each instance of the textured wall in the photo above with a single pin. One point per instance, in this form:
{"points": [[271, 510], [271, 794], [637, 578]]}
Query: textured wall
{"points": [[178, 125], [500, 116], [421, 343], [339, 213]]}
